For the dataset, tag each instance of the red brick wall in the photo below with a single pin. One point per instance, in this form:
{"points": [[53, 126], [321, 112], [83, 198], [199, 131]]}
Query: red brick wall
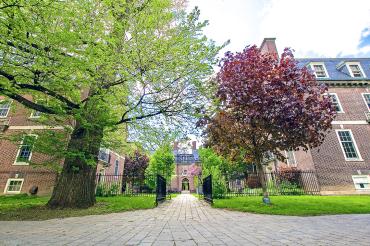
{"points": [[35, 174], [109, 170], [333, 171], [352, 102], [176, 182]]}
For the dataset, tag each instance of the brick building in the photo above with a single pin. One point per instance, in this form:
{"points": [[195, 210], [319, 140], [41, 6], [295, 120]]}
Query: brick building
{"points": [[183, 180], [16, 173], [342, 162]]}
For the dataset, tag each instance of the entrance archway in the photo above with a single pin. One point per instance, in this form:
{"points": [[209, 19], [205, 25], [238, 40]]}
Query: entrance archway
{"points": [[185, 184]]}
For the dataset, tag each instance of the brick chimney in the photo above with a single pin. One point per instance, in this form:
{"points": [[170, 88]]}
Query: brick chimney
{"points": [[194, 145], [268, 46], [175, 145]]}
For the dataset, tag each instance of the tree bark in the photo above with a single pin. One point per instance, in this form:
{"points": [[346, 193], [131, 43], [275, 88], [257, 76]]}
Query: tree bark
{"points": [[262, 177], [75, 186]]}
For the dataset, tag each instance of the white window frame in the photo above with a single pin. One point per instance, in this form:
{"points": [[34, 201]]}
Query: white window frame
{"points": [[32, 116], [354, 142], [8, 183], [356, 178], [10, 105], [363, 97], [22, 163], [321, 64], [350, 70], [339, 103], [287, 159]]}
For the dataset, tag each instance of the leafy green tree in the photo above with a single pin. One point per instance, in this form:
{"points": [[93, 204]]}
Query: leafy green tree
{"points": [[100, 65], [215, 165], [162, 162]]}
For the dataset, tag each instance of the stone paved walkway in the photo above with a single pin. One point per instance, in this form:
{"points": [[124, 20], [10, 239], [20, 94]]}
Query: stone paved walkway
{"points": [[187, 221]]}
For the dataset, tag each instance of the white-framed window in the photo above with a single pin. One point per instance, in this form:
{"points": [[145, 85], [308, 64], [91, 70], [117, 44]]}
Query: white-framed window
{"points": [[335, 100], [13, 186], [116, 167], [290, 158], [348, 145], [319, 70], [355, 69], [184, 172], [25, 150], [35, 114], [366, 97], [361, 182], [4, 108]]}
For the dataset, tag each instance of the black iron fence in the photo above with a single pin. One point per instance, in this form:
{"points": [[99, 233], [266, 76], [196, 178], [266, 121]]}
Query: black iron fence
{"points": [[111, 185], [277, 183], [160, 189], [207, 189]]}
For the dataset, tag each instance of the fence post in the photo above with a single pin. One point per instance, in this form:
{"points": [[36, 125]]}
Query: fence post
{"points": [[207, 189]]}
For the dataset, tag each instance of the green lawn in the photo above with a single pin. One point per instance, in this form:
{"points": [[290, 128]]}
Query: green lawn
{"points": [[197, 195], [22, 207], [298, 205]]}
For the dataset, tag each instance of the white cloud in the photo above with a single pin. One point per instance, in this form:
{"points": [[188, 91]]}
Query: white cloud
{"points": [[327, 28]]}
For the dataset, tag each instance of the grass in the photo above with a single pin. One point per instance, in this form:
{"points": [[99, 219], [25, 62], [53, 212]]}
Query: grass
{"points": [[173, 195], [23, 207], [298, 205], [197, 195]]}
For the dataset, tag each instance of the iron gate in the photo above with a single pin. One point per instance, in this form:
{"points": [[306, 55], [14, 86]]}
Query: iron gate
{"points": [[207, 189], [161, 189]]}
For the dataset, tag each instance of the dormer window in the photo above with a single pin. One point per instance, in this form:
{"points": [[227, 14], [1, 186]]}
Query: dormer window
{"points": [[319, 70], [355, 69]]}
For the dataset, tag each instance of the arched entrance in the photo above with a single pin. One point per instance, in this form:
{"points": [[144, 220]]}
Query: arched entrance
{"points": [[185, 184]]}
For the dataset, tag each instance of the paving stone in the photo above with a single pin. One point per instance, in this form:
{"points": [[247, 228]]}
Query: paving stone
{"points": [[187, 221]]}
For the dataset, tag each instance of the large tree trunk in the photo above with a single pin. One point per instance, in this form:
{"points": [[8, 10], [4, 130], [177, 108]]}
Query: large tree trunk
{"points": [[75, 186], [262, 177]]}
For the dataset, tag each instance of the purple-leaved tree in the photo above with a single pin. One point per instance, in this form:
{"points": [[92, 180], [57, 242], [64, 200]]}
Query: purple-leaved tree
{"points": [[268, 105]]}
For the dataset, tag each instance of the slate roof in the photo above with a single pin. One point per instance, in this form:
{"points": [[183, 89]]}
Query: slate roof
{"points": [[186, 159], [337, 69]]}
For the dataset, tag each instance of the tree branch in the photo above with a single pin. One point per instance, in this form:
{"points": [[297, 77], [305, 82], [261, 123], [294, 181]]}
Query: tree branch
{"points": [[70, 104], [24, 101]]}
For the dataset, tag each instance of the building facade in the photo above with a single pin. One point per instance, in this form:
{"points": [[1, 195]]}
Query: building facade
{"points": [[342, 162], [16, 173], [184, 179]]}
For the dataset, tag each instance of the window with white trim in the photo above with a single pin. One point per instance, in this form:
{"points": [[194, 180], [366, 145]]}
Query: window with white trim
{"points": [[4, 108], [361, 182], [13, 186], [335, 100], [348, 145], [116, 167], [290, 158], [355, 69], [319, 70], [184, 172], [35, 114], [366, 97], [25, 149]]}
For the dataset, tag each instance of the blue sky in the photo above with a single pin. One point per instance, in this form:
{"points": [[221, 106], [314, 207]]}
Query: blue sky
{"points": [[315, 28]]}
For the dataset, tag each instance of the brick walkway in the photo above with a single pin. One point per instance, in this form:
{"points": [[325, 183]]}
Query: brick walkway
{"points": [[187, 221]]}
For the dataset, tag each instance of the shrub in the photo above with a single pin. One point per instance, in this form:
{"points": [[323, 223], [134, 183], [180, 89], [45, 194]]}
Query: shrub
{"points": [[254, 182], [289, 174], [105, 190], [290, 188], [218, 183]]}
